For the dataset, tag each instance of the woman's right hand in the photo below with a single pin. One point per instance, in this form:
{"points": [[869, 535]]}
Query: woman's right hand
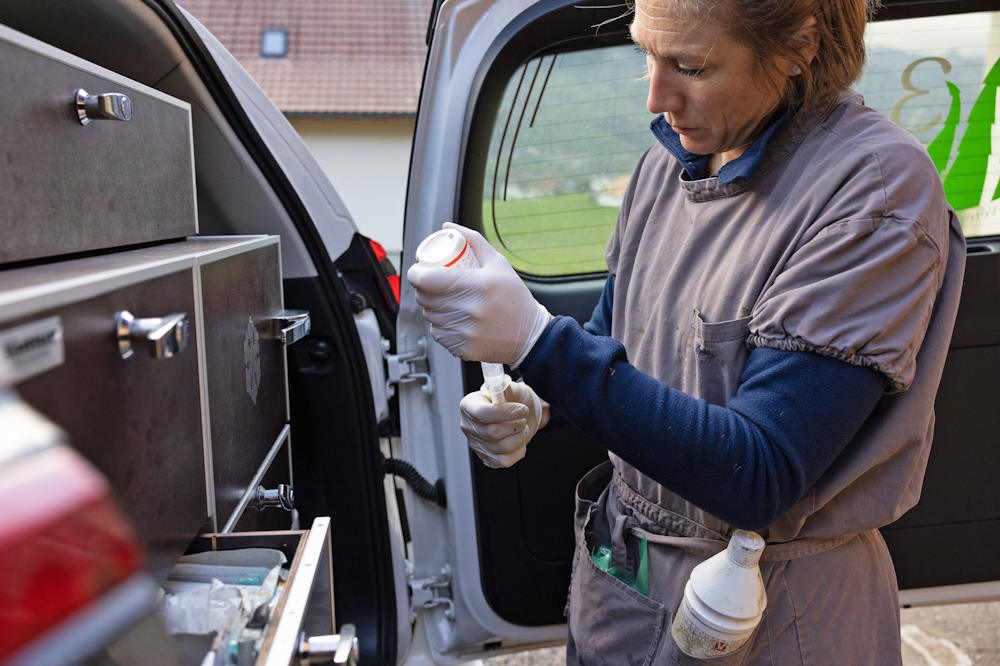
{"points": [[499, 434]]}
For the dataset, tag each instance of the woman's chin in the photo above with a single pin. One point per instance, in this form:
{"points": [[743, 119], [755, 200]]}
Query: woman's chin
{"points": [[693, 144]]}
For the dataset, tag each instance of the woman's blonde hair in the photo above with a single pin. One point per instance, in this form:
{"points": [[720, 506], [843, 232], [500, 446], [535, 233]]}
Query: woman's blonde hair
{"points": [[770, 28]]}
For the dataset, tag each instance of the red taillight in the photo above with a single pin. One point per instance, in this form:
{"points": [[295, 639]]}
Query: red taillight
{"points": [[393, 281], [63, 545], [377, 249], [391, 277]]}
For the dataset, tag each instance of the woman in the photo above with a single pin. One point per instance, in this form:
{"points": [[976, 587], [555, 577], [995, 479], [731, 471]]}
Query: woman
{"points": [[783, 281]]}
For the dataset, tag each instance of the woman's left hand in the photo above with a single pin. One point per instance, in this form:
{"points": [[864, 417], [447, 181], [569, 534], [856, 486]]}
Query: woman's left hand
{"points": [[499, 433], [480, 314]]}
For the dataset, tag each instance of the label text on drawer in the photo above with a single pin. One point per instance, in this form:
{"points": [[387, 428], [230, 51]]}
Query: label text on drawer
{"points": [[30, 349]]}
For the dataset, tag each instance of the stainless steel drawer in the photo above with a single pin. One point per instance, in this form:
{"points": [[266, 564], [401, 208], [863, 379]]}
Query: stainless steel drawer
{"points": [[138, 419], [69, 187], [202, 436], [247, 390]]}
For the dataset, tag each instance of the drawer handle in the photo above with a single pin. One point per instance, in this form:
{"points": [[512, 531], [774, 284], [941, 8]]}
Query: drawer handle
{"points": [[290, 326], [109, 106], [283, 496], [167, 336], [342, 648]]}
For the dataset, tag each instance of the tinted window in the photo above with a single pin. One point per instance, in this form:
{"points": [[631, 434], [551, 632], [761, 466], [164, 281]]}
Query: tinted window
{"points": [[569, 131], [571, 127]]}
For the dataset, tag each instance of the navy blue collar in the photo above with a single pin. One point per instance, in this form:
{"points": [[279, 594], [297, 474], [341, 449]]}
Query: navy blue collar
{"points": [[696, 166]]}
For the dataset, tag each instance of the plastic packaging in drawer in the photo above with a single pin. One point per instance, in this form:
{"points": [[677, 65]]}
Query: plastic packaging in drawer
{"points": [[231, 594]]}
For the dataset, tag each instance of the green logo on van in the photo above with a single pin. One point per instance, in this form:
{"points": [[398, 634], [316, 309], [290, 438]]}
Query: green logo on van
{"points": [[965, 180]]}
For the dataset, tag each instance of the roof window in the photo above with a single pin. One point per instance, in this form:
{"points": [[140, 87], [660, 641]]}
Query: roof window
{"points": [[274, 42]]}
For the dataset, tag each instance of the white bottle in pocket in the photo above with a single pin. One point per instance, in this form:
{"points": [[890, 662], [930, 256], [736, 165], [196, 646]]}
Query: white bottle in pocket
{"points": [[723, 601], [449, 248]]}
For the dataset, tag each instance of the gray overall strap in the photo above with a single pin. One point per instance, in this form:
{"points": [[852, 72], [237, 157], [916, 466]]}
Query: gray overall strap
{"points": [[641, 512]]}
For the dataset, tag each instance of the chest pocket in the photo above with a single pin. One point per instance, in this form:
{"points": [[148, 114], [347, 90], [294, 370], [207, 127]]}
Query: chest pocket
{"points": [[715, 358]]}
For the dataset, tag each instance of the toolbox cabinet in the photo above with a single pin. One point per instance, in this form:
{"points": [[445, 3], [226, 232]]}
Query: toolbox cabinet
{"points": [[179, 437], [162, 356]]}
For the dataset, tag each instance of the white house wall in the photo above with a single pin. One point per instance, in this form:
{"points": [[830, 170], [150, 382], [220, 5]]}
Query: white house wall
{"points": [[367, 159]]}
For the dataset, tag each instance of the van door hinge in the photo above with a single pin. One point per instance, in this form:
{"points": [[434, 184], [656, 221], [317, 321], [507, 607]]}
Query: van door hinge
{"points": [[431, 592], [400, 368]]}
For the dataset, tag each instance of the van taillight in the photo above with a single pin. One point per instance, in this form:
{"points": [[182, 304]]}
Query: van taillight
{"points": [[388, 270], [393, 281]]}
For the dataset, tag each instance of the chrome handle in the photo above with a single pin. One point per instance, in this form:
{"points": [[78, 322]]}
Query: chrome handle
{"points": [[283, 496], [290, 326], [167, 336], [109, 106], [341, 648]]}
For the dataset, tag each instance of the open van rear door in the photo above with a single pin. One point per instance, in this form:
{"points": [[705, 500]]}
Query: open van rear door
{"points": [[531, 118]]}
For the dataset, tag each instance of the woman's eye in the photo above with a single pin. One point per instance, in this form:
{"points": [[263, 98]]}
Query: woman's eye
{"points": [[673, 64], [684, 71]]}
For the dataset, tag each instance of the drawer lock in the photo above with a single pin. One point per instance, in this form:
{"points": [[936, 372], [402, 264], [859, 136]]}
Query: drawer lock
{"points": [[282, 497], [166, 336], [109, 106]]}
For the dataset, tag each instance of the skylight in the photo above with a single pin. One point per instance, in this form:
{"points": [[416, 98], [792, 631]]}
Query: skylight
{"points": [[274, 42]]}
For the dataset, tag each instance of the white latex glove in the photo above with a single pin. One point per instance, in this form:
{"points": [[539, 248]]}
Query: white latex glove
{"points": [[499, 434], [479, 314]]}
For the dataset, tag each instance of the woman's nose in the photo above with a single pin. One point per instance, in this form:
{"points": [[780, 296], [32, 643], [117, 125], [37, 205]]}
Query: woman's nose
{"points": [[664, 93]]}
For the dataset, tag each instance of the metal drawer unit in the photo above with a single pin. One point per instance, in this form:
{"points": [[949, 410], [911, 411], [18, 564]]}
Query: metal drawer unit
{"points": [[245, 334], [137, 416], [70, 187], [148, 359]]}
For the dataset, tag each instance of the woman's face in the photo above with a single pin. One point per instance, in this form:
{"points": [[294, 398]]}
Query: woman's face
{"points": [[704, 83]]}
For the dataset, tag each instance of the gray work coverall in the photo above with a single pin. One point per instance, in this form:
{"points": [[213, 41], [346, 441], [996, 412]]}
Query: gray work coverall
{"points": [[843, 245]]}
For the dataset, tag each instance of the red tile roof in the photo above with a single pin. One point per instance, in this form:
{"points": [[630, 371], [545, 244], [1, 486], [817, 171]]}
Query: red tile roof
{"points": [[344, 56]]}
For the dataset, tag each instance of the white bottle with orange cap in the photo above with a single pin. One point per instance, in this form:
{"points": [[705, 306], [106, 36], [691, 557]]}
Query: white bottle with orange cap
{"points": [[449, 248]]}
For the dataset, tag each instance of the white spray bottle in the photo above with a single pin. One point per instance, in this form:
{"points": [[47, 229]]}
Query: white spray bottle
{"points": [[449, 248], [724, 600]]}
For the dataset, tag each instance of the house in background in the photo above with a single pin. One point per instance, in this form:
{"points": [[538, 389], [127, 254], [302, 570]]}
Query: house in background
{"points": [[347, 76]]}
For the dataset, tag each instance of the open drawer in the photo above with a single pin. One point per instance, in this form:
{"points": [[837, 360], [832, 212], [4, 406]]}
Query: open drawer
{"points": [[305, 604], [299, 629]]}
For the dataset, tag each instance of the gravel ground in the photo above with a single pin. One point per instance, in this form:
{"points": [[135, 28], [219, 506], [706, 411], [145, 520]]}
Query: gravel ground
{"points": [[958, 635]]}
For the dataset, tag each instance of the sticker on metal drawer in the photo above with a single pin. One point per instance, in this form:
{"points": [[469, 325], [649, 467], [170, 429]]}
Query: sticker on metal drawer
{"points": [[30, 349]]}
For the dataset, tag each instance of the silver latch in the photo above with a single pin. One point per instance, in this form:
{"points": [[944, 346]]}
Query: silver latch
{"points": [[400, 367], [432, 592], [165, 336], [339, 648], [282, 497], [290, 326], [107, 106]]}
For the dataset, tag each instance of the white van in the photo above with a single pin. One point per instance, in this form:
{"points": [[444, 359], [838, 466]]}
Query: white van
{"points": [[186, 299]]}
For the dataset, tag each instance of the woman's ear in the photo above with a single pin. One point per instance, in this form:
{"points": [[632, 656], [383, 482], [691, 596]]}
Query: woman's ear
{"points": [[806, 41]]}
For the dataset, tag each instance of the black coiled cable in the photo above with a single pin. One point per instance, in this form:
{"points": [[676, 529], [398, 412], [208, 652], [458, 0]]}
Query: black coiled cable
{"points": [[421, 486]]}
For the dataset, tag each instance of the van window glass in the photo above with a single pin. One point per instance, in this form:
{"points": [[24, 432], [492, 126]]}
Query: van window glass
{"points": [[571, 127]]}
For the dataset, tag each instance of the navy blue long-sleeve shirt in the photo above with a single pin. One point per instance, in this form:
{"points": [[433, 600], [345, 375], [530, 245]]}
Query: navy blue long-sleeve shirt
{"points": [[746, 462]]}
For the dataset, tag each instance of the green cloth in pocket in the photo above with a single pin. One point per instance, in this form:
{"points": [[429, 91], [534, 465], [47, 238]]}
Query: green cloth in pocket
{"points": [[638, 581]]}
